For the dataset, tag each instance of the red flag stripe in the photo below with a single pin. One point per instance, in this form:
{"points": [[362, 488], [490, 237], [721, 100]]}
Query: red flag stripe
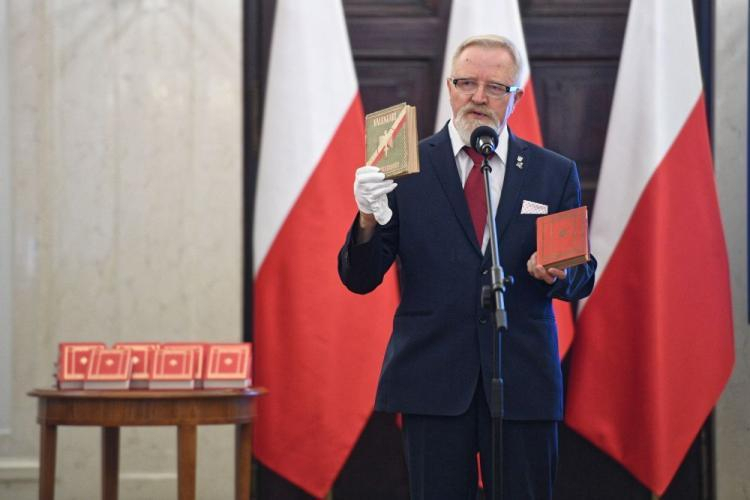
{"points": [[318, 348], [654, 346]]}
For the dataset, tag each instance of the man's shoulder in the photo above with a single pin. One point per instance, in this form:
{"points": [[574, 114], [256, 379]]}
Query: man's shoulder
{"points": [[436, 139]]}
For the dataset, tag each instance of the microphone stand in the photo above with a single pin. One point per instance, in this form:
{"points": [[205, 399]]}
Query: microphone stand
{"points": [[493, 300]]}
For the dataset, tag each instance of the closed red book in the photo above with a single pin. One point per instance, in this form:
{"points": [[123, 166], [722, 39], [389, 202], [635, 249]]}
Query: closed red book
{"points": [[73, 362], [562, 238], [199, 349], [173, 369], [109, 369], [228, 366], [142, 359]]}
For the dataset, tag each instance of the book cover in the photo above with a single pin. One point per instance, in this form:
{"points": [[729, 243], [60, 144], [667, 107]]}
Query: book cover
{"points": [[199, 348], [229, 366], [173, 369], [73, 363], [562, 238], [109, 369], [142, 358], [391, 140]]}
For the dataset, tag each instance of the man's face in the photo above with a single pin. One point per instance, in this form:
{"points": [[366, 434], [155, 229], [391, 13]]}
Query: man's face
{"points": [[484, 65]]}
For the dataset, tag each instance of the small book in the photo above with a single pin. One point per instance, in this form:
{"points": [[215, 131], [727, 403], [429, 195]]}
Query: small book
{"points": [[228, 366], [562, 238], [73, 362], [391, 140], [109, 369], [142, 358], [173, 369], [200, 349]]}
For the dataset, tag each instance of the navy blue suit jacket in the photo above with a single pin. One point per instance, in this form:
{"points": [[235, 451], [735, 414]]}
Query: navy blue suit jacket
{"points": [[442, 338]]}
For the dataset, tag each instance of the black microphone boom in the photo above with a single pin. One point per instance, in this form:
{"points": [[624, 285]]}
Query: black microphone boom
{"points": [[484, 140]]}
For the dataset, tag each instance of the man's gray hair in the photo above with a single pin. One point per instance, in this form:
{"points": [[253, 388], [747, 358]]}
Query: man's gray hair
{"points": [[491, 42]]}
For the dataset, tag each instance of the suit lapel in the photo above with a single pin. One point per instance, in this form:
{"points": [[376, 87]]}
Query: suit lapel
{"points": [[444, 165], [512, 183]]}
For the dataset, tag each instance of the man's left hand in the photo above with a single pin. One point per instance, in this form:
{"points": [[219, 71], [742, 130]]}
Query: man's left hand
{"points": [[549, 275]]}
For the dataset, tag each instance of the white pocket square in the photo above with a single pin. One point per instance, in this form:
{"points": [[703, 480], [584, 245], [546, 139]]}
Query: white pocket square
{"points": [[531, 207]]}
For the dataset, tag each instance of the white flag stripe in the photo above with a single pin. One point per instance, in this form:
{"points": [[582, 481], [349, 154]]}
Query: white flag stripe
{"points": [[661, 69], [469, 18], [311, 83]]}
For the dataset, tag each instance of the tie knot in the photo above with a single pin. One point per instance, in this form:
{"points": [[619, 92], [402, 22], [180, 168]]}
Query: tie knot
{"points": [[475, 157]]}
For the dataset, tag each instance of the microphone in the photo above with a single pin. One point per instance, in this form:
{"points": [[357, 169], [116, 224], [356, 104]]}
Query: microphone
{"points": [[484, 140]]}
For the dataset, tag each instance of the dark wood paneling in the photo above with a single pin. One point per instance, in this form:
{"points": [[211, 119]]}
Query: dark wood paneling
{"points": [[566, 38], [398, 47], [576, 97], [383, 84], [577, 8]]}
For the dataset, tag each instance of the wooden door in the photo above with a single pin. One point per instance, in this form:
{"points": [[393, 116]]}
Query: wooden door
{"points": [[398, 48]]}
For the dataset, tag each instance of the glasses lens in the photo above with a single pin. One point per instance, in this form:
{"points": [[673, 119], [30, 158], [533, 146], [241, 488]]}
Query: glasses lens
{"points": [[466, 86]]}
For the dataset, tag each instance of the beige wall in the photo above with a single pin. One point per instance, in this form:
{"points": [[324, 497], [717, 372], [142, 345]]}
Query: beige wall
{"points": [[123, 212], [730, 150]]}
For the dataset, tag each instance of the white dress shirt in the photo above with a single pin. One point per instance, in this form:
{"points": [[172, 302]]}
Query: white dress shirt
{"points": [[464, 163]]}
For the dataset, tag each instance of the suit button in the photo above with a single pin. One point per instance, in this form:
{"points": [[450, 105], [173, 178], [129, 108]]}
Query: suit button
{"points": [[482, 321]]}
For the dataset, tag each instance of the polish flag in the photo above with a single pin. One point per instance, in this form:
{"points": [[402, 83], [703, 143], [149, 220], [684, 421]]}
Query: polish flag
{"points": [[654, 344], [318, 347], [501, 17]]}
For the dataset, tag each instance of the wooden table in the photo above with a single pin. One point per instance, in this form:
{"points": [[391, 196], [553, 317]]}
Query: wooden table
{"points": [[111, 410]]}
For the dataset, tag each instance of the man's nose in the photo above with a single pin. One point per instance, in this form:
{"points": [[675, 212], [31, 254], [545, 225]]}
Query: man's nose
{"points": [[479, 97]]}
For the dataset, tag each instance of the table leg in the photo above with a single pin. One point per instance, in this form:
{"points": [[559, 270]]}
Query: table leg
{"points": [[110, 462], [242, 461], [48, 454], [186, 447]]}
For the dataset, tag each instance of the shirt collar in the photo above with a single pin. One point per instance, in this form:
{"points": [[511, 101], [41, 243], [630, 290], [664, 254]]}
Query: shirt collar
{"points": [[502, 144]]}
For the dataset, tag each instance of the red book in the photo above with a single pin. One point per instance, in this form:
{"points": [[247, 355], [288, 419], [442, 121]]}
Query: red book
{"points": [[73, 363], [199, 349], [562, 238], [109, 369], [173, 369], [142, 359], [228, 366]]}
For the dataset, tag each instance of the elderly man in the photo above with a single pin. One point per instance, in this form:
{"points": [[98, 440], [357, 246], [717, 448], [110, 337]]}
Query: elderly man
{"points": [[438, 363]]}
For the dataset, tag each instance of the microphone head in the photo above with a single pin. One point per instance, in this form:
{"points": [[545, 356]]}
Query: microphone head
{"points": [[484, 140]]}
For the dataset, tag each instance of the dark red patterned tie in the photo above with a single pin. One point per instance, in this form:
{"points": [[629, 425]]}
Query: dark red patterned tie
{"points": [[474, 192]]}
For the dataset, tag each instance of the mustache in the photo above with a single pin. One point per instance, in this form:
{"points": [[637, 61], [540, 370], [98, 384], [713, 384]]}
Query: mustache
{"points": [[473, 108]]}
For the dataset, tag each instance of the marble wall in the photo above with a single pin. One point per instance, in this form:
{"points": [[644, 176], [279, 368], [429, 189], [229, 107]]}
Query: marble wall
{"points": [[124, 203], [730, 153]]}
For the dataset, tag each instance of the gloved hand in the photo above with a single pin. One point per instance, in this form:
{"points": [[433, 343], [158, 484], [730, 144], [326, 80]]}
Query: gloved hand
{"points": [[371, 193]]}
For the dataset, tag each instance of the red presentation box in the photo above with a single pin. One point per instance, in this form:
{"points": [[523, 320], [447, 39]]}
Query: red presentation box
{"points": [[228, 366], [142, 359], [173, 369], [109, 369], [73, 363]]}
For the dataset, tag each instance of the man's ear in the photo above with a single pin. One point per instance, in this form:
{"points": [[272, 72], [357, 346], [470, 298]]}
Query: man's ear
{"points": [[516, 97]]}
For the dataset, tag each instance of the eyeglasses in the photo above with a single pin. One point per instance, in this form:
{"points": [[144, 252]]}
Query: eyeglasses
{"points": [[492, 89]]}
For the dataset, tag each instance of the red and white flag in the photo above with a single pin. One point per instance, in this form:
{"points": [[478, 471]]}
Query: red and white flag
{"points": [[318, 347], [654, 344], [501, 17]]}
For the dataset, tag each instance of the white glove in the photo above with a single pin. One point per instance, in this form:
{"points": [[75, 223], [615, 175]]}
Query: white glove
{"points": [[371, 193]]}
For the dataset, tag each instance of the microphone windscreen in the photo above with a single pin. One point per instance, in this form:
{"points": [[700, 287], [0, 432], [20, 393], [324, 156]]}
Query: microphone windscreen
{"points": [[483, 134]]}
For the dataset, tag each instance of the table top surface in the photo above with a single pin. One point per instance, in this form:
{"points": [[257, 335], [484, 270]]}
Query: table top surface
{"points": [[147, 394]]}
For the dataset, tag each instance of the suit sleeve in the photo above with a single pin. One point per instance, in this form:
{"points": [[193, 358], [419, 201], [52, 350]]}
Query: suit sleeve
{"points": [[580, 279], [362, 266]]}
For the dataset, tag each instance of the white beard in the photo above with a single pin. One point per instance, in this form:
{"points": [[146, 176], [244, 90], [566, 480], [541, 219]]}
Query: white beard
{"points": [[465, 125]]}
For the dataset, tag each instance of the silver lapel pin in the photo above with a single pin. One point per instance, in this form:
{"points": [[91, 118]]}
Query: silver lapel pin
{"points": [[519, 162]]}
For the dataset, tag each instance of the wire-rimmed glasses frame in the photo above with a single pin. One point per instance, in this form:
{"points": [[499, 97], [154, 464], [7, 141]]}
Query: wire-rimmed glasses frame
{"points": [[495, 90]]}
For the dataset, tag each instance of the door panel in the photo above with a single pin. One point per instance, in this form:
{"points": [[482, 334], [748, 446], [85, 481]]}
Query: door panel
{"points": [[398, 48]]}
